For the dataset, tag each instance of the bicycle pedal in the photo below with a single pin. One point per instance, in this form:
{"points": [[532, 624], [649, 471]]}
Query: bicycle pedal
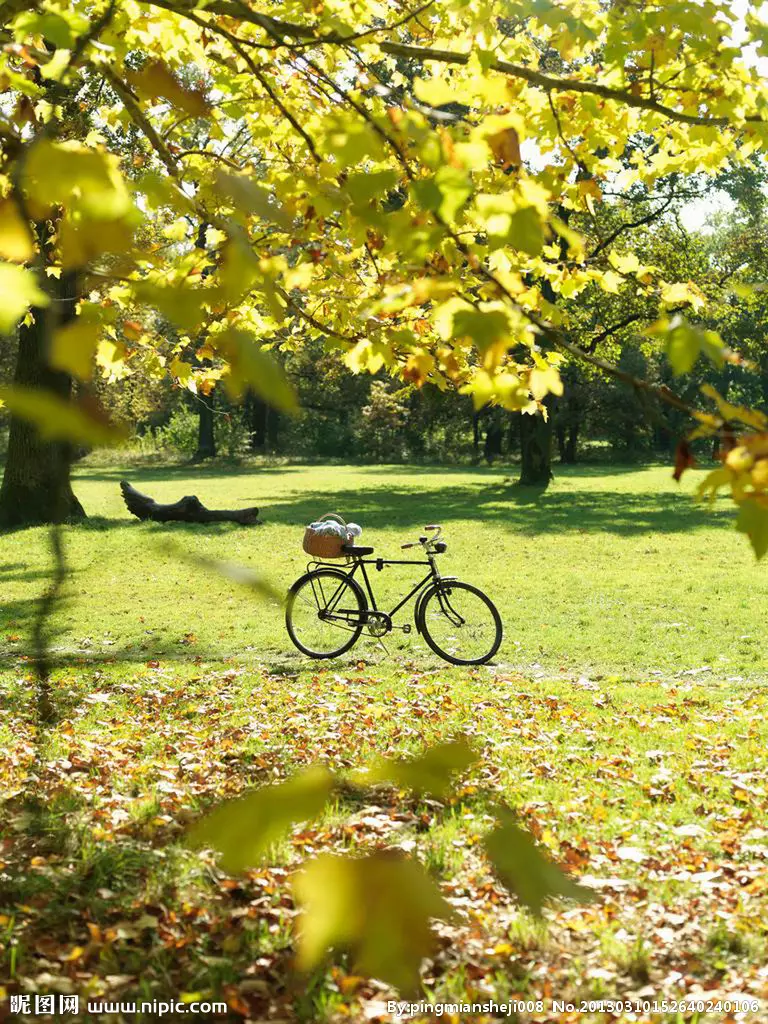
{"points": [[407, 627]]}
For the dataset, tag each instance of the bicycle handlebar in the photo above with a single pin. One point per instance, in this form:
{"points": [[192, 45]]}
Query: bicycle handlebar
{"points": [[425, 540]]}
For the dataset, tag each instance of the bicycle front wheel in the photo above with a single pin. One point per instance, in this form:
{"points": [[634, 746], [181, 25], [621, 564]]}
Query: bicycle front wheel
{"points": [[324, 614], [460, 623]]}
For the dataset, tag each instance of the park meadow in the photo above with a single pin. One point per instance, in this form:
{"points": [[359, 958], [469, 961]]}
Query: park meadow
{"points": [[629, 738], [384, 511]]}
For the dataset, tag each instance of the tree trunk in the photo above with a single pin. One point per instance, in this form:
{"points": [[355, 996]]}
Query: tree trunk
{"points": [[256, 411], [571, 444], [562, 445], [494, 436], [536, 447], [188, 509], [272, 427], [206, 437], [36, 484]]}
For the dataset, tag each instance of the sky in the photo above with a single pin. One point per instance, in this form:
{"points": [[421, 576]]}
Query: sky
{"points": [[694, 215]]}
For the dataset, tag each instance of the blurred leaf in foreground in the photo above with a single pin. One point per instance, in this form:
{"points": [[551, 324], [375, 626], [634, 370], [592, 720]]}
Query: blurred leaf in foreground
{"points": [[753, 520], [378, 907], [525, 870], [244, 828], [431, 772], [241, 574], [18, 291], [59, 420]]}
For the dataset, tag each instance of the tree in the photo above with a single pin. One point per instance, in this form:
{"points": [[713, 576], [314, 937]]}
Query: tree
{"points": [[394, 217], [36, 486]]}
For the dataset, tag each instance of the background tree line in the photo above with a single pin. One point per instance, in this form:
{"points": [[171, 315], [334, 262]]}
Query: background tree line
{"points": [[375, 417]]}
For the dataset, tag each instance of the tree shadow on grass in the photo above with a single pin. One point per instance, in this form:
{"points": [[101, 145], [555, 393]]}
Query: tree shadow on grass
{"points": [[522, 510], [190, 472], [18, 572], [106, 523]]}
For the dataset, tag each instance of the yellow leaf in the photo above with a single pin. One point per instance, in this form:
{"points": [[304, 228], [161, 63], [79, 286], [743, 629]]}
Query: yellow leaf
{"points": [[72, 175], [180, 370], [251, 367], [82, 240], [157, 81], [110, 356], [436, 92], [379, 907], [683, 292], [177, 231], [610, 282], [543, 382], [505, 146], [367, 356], [18, 291], [15, 235], [625, 263], [59, 420], [299, 277], [73, 347]]}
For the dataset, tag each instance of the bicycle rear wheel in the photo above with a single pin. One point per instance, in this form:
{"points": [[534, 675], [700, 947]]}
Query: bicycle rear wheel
{"points": [[460, 623], [324, 614]]}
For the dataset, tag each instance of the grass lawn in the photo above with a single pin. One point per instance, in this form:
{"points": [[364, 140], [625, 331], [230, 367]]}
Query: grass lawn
{"points": [[611, 571], [625, 720]]}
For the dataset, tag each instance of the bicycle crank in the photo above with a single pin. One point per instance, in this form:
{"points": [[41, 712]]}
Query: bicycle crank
{"points": [[378, 623]]}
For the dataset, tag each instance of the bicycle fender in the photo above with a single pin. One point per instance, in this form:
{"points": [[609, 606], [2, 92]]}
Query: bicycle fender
{"points": [[425, 594]]}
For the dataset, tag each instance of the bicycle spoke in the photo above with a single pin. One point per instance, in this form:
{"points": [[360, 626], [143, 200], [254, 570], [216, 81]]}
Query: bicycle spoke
{"points": [[461, 624], [325, 613]]}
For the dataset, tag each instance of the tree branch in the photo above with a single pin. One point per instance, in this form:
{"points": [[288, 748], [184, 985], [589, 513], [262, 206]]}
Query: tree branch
{"points": [[630, 226], [594, 342], [548, 82], [661, 391], [140, 119]]}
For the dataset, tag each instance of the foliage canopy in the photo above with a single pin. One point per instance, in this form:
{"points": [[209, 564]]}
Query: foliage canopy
{"points": [[420, 186]]}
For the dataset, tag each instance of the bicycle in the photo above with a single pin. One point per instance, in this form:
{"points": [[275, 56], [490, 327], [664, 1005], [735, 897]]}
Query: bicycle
{"points": [[457, 620]]}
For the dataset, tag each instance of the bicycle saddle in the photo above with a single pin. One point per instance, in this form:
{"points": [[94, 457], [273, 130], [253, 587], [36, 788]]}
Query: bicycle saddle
{"points": [[353, 549]]}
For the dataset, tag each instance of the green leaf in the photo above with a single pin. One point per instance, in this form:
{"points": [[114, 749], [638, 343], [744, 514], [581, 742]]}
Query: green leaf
{"points": [[364, 187], [251, 367], [243, 829], [431, 772], [685, 342], [753, 520], [56, 28], [445, 193], [241, 574], [18, 291], [59, 420], [378, 907], [682, 348], [525, 870]]}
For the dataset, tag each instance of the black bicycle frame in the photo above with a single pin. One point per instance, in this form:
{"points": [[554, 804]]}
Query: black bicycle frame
{"points": [[433, 576]]}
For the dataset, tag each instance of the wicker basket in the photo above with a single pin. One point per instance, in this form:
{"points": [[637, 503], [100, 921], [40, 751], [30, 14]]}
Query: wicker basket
{"points": [[322, 546]]}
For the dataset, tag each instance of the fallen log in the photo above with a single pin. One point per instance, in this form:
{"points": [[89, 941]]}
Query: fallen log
{"points": [[188, 509]]}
